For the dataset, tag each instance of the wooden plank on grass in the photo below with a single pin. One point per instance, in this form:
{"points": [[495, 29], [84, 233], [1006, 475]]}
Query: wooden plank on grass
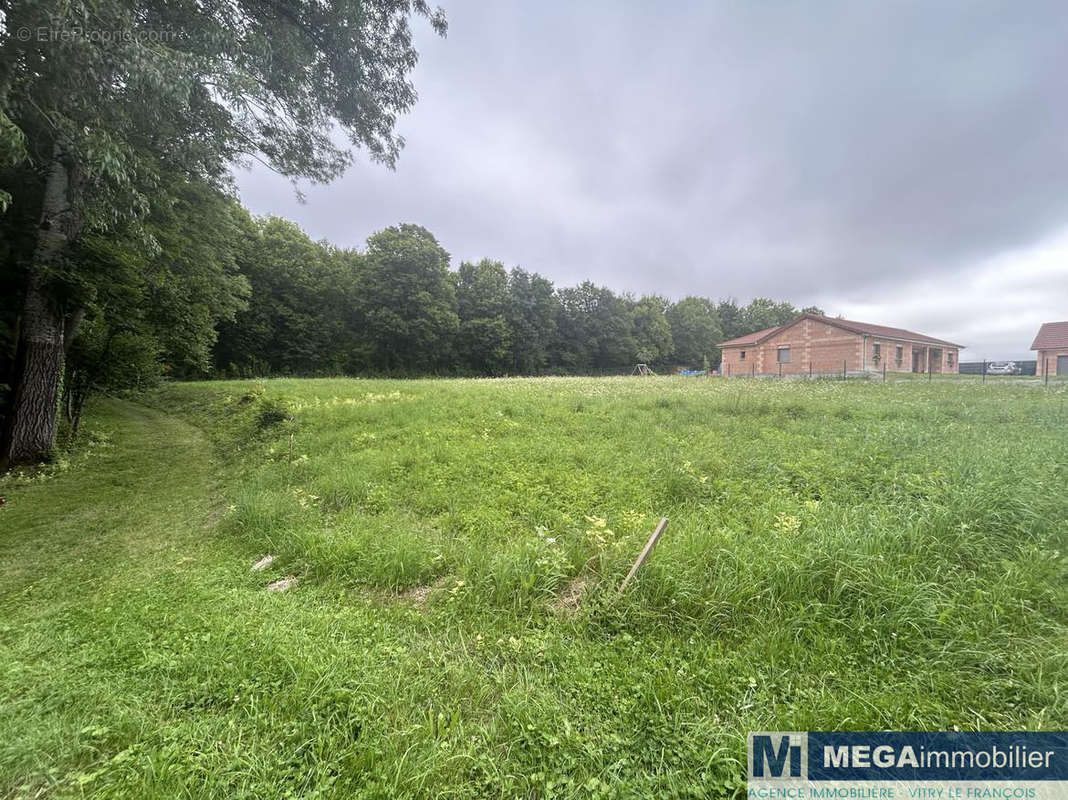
{"points": [[649, 545]]}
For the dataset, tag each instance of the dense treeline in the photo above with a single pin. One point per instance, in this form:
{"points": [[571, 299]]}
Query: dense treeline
{"points": [[124, 256], [397, 308], [220, 293], [117, 238], [226, 294]]}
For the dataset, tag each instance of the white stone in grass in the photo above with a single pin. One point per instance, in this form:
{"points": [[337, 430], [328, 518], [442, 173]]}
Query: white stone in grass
{"points": [[263, 563], [282, 585]]}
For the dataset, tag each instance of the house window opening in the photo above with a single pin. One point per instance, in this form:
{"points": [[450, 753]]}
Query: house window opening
{"points": [[899, 355], [784, 355], [742, 358]]}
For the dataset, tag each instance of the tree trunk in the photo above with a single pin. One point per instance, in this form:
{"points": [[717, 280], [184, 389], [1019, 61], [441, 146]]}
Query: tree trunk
{"points": [[30, 430]]}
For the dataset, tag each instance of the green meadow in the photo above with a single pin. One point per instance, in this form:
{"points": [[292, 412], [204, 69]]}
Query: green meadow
{"points": [[839, 555]]}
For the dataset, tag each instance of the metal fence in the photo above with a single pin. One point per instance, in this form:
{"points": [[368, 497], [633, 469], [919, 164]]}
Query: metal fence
{"points": [[795, 370], [983, 368], [977, 370]]}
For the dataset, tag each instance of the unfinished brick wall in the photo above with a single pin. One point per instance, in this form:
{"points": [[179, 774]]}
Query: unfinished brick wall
{"points": [[1049, 357], [887, 355], [947, 361], [737, 361], [813, 345]]}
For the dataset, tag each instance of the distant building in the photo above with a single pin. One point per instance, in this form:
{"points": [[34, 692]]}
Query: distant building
{"points": [[817, 344], [1052, 346]]}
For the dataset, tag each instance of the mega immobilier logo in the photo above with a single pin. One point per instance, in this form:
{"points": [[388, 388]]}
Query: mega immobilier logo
{"points": [[930, 765]]}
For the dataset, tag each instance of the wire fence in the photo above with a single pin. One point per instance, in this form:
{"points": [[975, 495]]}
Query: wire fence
{"points": [[1022, 371], [1024, 367]]}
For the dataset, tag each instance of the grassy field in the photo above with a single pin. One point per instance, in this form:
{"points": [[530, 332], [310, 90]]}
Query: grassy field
{"points": [[840, 555]]}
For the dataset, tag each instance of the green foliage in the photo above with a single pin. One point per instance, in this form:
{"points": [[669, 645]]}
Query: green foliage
{"points": [[731, 320], [408, 300], [760, 313], [653, 342], [12, 152], [839, 555], [396, 308], [299, 317], [193, 284], [482, 300], [115, 361], [112, 113], [532, 315], [695, 330], [764, 313], [271, 412], [594, 329], [153, 312], [198, 87]]}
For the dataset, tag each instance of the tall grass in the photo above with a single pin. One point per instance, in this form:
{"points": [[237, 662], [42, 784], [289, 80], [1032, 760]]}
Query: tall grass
{"points": [[778, 490], [839, 555]]}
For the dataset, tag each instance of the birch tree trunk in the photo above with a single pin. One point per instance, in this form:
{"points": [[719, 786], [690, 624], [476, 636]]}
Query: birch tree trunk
{"points": [[30, 430]]}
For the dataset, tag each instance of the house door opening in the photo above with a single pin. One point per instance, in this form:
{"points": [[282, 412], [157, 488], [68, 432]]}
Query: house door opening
{"points": [[934, 354]]}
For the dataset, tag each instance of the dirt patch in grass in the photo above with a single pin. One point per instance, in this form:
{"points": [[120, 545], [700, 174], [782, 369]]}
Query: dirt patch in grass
{"points": [[419, 594], [214, 516], [571, 597]]}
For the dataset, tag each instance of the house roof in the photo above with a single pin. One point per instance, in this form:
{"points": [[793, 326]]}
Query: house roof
{"points": [[752, 338], [864, 328], [1052, 335], [888, 332]]}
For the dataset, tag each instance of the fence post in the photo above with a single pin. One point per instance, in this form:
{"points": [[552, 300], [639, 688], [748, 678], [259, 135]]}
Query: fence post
{"points": [[1045, 369], [843, 368], [728, 370], [752, 370], [810, 369], [984, 370], [884, 372], [780, 369]]}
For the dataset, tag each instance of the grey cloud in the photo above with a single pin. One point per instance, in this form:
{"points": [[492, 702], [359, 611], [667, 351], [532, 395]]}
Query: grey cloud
{"points": [[833, 153]]}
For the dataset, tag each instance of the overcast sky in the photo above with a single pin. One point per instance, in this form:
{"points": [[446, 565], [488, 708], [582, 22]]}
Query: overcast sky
{"points": [[896, 163]]}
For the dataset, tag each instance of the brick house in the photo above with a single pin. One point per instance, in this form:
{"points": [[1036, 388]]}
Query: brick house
{"points": [[1052, 346], [817, 344]]}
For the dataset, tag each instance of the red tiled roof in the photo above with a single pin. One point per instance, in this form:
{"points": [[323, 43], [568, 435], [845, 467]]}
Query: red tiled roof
{"points": [[751, 338], [888, 332], [849, 325], [1052, 335]]}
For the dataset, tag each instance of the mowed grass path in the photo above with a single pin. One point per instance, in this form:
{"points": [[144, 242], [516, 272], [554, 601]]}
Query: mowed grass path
{"points": [[840, 555]]}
